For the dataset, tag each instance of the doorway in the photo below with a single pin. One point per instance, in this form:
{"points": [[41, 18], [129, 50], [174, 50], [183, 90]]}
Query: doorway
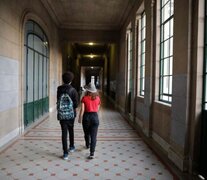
{"points": [[36, 99]]}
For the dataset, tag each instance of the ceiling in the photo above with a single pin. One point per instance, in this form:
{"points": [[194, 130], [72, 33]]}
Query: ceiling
{"points": [[86, 49], [89, 14]]}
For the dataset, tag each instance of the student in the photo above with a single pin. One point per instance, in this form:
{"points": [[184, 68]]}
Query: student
{"points": [[66, 122], [89, 118]]}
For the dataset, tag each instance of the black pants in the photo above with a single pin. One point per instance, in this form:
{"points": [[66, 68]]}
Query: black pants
{"points": [[67, 126], [90, 128]]}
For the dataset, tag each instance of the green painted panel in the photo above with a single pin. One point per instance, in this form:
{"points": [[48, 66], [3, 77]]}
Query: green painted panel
{"points": [[28, 113], [40, 110], [36, 110]]}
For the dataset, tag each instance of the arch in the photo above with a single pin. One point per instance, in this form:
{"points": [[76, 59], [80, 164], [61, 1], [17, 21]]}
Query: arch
{"points": [[40, 57]]}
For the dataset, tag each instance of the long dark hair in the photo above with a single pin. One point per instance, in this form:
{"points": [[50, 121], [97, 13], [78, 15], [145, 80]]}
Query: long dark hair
{"points": [[93, 95]]}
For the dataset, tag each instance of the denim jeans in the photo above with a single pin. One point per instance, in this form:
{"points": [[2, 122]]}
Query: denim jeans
{"points": [[90, 128], [67, 126]]}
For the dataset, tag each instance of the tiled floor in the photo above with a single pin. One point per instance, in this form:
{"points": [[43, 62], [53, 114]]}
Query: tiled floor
{"points": [[120, 154]]}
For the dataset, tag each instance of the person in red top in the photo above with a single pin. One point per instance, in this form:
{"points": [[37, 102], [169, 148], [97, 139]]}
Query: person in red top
{"points": [[88, 116]]}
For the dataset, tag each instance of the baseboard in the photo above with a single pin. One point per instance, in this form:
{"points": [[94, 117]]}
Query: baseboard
{"points": [[9, 137], [179, 161], [160, 141]]}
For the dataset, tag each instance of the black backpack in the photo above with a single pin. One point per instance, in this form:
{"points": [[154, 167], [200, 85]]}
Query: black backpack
{"points": [[65, 109]]}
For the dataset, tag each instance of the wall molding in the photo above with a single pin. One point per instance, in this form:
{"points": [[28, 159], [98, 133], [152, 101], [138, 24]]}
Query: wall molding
{"points": [[161, 141], [9, 137]]}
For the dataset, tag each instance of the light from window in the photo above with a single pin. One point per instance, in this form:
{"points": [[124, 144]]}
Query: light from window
{"points": [[142, 50], [129, 59], [205, 65], [166, 50]]}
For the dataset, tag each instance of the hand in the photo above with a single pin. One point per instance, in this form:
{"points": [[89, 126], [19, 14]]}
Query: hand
{"points": [[79, 120]]}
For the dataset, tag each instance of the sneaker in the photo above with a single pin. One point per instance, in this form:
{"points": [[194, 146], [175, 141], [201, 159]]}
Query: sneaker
{"points": [[91, 157], [72, 149], [65, 156]]}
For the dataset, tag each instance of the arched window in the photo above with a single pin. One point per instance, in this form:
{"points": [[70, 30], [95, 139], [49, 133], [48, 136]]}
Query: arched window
{"points": [[36, 100]]}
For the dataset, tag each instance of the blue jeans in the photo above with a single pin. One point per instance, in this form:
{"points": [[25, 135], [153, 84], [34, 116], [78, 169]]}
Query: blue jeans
{"points": [[90, 128], [67, 126]]}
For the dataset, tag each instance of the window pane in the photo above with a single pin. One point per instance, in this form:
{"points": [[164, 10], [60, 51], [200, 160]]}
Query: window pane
{"points": [[143, 59], [38, 31], [171, 7], [36, 73], [30, 41], [161, 67], [161, 50], [28, 30], [40, 76], [143, 82], [143, 46], [166, 84], [47, 75], [30, 75], [171, 26], [25, 75], [164, 2], [170, 85], [171, 66], [161, 33], [38, 44], [44, 77], [164, 98], [143, 33], [129, 51], [167, 30], [166, 67], [44, 50], [166, 49], [171, 46], [166, 11]]}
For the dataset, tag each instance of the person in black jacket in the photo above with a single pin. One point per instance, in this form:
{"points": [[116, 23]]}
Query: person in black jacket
{"points": [[68, 125]]}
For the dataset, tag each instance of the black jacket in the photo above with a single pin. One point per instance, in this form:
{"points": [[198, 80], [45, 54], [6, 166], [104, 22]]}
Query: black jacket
{"points": [[71, 91]]}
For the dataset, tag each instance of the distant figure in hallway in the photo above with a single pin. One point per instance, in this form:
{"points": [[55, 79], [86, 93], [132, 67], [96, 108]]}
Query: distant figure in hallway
{"points": [[67, 102], [89, 117]]}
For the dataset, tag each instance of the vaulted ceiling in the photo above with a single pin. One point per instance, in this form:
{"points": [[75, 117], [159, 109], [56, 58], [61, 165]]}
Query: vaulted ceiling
{"points": [[89, 14], [94, 15]]}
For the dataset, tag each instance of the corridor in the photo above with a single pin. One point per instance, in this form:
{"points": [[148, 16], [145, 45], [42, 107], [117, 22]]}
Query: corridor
{"points": [[121, 153]]}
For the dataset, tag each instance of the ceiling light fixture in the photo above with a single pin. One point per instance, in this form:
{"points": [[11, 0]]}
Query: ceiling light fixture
{"points": [[90, 43], [91, 56]]}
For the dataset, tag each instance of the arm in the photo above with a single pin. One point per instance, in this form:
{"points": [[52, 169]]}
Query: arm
{"points": [[74, 97], [81, 112]]}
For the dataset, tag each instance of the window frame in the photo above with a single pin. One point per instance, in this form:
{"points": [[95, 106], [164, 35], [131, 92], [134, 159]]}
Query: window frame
{"points": [[204, 104], [166, 58], [141, 53], [129, 60]]}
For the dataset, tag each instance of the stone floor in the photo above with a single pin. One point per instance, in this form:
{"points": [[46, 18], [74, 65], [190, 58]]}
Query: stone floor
{"points": [[120, 154]]}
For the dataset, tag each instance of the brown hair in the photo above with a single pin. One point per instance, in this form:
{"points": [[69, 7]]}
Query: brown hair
{"points": [[93, 95]]}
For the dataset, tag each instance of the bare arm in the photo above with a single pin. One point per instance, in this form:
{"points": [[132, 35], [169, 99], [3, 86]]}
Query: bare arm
{"points": [[81, 112]]}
